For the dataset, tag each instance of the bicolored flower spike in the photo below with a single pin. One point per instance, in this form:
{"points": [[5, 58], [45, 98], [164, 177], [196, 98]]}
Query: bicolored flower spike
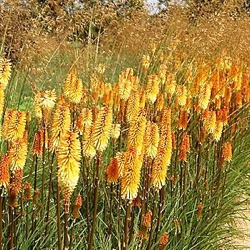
{"points": [[68, 162]]}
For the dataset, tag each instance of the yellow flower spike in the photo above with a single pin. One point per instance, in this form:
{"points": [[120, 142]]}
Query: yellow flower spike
{"points": [[5, 72], [142, 94], [204, 96], [68, 162], [136, 133], [130, 179], [60, 123], [116, 130], [151, 139], [124, 84], [181, 95], [102, 128], [18, 153], [1, 100], [145, 61], [120, 156], [162, 73], [84, 120], [164, 152], [88, 148], [209, 121], [170, 85], [133, 106], [14, 124], [73, 87], [218, 131], [152, 88]]}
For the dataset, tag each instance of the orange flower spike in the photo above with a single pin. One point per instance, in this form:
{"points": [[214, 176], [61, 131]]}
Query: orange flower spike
{"points": [[112, 171], [77, 206], [38, 142], [84, 119], [159, 102], [199, 211], [137, 201], [227, 152], [183, 120], [27, 192], [146, 219], [15, 187], [163, 241], [238, 99], [185, 147], [4, 171], [174, 141]]}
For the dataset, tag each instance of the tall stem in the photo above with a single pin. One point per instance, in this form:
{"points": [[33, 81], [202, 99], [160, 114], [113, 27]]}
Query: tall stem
{"points": [[1, 224], [91, 238], [59, 233], [152, 220], [49, 195], [66, 238], [127, 218]]}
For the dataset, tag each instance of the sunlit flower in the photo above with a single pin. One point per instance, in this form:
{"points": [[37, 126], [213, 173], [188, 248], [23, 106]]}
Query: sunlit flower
{"points": [[102, 128], [152, 88], [136, 133], [73, 87], [18, 153], [130, 179], [5, 72], [151, 139], [14, 124], [115, 131], [45, 100], [68, 161]]}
